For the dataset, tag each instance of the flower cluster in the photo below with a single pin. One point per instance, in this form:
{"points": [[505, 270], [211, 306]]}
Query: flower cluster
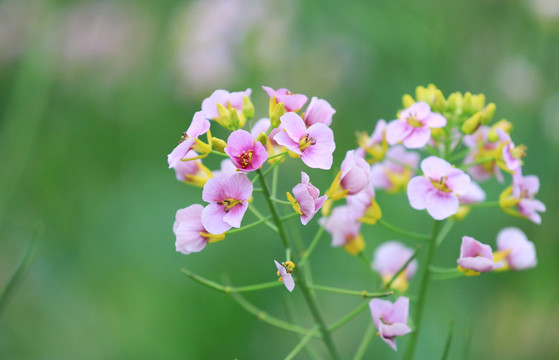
{"points": [[438, 151]]}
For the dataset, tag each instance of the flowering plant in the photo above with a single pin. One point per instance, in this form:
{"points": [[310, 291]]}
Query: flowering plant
{"points": [[435, 151]]}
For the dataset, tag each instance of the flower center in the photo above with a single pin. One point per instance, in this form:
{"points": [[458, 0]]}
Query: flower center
{"points": [[245, 158], [413, 122], [229, 204], [441, 184], [305, 142], [518, 152]]}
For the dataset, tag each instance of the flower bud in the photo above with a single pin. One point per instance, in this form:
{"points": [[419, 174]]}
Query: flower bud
{"points": [[223, 116], [278, 111], [407, 101], [504, 125], [472, 124], [454, 102], [248, 108], [487, 113], [219, 144], [263, 138]]}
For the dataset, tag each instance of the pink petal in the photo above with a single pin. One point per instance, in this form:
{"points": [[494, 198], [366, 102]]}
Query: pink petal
{"points": [[213, 190], [379, 308], [209, 105], [236, 98], [261, 126], [470, 247], [179, 152], [294, 126], [418, 138], [199, 125], [239, 141], [435, 120], [435, 167], [477, 263], [458, 182], [396, 329], [441, 205], [419, 188], [319, 155], [420, 110], [400, 311], [237, 187], [319, 111], [397, 131], [212, 219], [236, 214], [305, 200]]}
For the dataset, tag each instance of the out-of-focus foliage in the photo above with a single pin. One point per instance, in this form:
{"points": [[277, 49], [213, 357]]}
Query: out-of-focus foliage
{"points": [[93, 95]]}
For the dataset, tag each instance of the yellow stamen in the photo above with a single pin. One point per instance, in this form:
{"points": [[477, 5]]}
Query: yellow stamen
{"points": [[213, 238], [355, 245]]}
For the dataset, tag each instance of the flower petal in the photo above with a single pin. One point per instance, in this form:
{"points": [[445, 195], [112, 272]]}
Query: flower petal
{"points": [[236, 214], [418, 138], [212, 219], [419, 188], [397, 131], [441, 205]]}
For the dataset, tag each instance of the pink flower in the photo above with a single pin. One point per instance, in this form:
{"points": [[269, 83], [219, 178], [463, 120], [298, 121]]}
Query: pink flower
{"points": [[511, 154], [364, 206], [306, 201], [228, 198], [389, 258], [412, 126], [291, 102], [192, 172], [439, 188], [345, 229], [284, 272], [245, 152], [262, 126], [318, 112], [315, 145], [524, 189], [521, 252], [391, 320], [375, 145], [191, 234], [227, 168], [199, 126], [475, 257], [225, 98], [354, 173], [394, 173], [482, 148], [474, 195]]}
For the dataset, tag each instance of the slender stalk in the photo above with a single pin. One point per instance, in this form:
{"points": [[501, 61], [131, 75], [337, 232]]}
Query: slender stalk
{"points": [[338, 324], [485, 204], [444, 231], [412, 341], [219, 153], [277, 155], [246, 227], [448, 341], [369, 334], [467, 341], [284, 202], [403, 232], [20, 271], [311, 302], [229, 289], [275, 182], [413, 256], [257, 213], [313, 244], [476, 162], [302, 343], [363, 293], [291, 316]]}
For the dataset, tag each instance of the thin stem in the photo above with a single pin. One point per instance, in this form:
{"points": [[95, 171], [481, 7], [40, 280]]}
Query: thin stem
{"points": [[311, 302], [291, 316], [274, 165], [369, 334], [302, 343], [448, 341], [313, 244], [219, 153], [485, 204], [338, 324], [20, 271], [284, 202], [290, 216], [440, 270], [459, 155], [262, 315], [275, 182], [363, 293], [402, 164], [467, 340], [246, 227], [277, 155], [413, 256], [423, 291], [403, 232], [444, 231], [229, 289], [476, 162], [257, 213]]}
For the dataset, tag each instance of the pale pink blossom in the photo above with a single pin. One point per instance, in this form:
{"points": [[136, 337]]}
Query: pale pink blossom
{"points": [[285, 276], [476, 257], [291, 102], [343, 225], [354, 173], [189, 230], [225, 98], [318, 112], [412, 127], [482, 148], [307, 199], [390, 256], [192, 172], [521, 251], [524, 189], [474, 195], [199, 126], [511, 154], [394, 173], [245, 152], [374, 144], [228, 198], [391, 320], [262, 126], [439, 188], [227, 168], [314, 145]]}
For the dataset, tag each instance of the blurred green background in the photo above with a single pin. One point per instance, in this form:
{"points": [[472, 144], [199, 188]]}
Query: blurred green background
{"points": [[94, 95]]}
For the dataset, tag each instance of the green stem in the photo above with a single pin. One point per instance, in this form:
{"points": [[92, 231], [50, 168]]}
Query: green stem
{"points": [[275, 182], [413, 256], [369, 334], [229, 289], [338, 324], [246, 227], [284, 202], [313, 244], [459, 155], [485, 204], [302, 343], [290, 216], [257, 213], [219, 153], [311, 302], [403, 232], [21, 269], [412, 341], [363, 293], [476, 162], [277, 155], [448, 341], [444, 231]]}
